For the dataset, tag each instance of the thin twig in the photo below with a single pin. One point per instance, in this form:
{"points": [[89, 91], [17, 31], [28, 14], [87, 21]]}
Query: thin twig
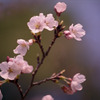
{"points": [[53, 78], [40, 45], [39, 64], [20, 90]]}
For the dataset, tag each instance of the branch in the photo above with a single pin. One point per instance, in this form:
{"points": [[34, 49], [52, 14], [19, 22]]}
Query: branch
{"points": [[38, 41], [53, 78], [18, 87]]}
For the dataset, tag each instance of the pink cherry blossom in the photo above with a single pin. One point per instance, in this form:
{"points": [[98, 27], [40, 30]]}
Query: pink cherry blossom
{"points": [[60, 7], [36, 24], [22, 47], [1, 96], [9, 70], [14, 67], [50, 22], [48, 97], [76, 82], [25, 67], [77, 32]]}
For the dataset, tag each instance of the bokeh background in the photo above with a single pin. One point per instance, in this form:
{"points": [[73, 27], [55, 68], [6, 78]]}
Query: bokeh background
{"points": [[74, 56]]}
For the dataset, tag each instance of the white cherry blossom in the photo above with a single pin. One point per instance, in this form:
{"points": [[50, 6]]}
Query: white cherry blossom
{"points": [[36, 24], [25, 67], [60, 7], [22, 47], [9, 70], [50, 22], [48, 97], [14, 67], [77, 32], [76, 82]]}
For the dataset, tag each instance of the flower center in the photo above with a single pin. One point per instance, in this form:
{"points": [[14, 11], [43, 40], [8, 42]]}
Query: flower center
{"points": [[37, 26], [10, 70], [23, 45]]}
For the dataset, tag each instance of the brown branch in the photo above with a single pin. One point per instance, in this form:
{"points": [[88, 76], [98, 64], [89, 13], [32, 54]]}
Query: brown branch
{"points": [[19, 88], [38, 41], [44, 54], [52, 78], [39, 64]]}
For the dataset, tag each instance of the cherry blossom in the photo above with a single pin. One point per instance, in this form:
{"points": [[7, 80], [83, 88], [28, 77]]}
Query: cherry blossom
{"points": [[22, 47], [50, 22], [25, 67], [47, 97], [9, 70], [76, 82], [14, 67], [60, 7], [36, 24], [75, 31], [1, 96]]}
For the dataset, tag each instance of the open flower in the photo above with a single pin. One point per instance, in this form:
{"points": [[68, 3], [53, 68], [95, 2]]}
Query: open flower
{"points": [[14, 67], [9, 70], [50, 22], [75, 31], [60, 7], [25, 67], [36, 24], [47, 97], [22, 47], [76, 82]]}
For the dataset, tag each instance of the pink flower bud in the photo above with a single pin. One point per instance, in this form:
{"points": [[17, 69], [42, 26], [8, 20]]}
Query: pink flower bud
{"points": [[68, 34], [67, 90], [60, 7]]}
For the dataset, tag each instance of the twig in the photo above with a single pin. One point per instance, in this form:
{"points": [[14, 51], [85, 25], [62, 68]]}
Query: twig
{"points": [[40, 45], [52, 78], [19, 88], [39, 64], [44, 54]]}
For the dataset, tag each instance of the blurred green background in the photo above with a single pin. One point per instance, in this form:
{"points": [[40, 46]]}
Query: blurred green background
{"points": [[74, 56]]}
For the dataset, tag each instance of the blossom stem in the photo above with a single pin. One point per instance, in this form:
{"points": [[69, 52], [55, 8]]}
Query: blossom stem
{"points": [[39, 64], [44, 54], [42, 60], [40, 45], [19, 89], [52, 78]]}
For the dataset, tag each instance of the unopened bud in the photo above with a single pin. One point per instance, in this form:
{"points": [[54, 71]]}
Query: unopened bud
{"points": [[67, 90], [8, 58], [31, 41]]}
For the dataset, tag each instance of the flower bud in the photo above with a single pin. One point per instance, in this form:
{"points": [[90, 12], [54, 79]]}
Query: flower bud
{"points": [[67, 90], [60, 7]]}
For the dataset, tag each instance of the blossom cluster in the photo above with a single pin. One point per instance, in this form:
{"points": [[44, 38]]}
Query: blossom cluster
{"points": [[74, 84], [39, 23], [12, 68]]}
